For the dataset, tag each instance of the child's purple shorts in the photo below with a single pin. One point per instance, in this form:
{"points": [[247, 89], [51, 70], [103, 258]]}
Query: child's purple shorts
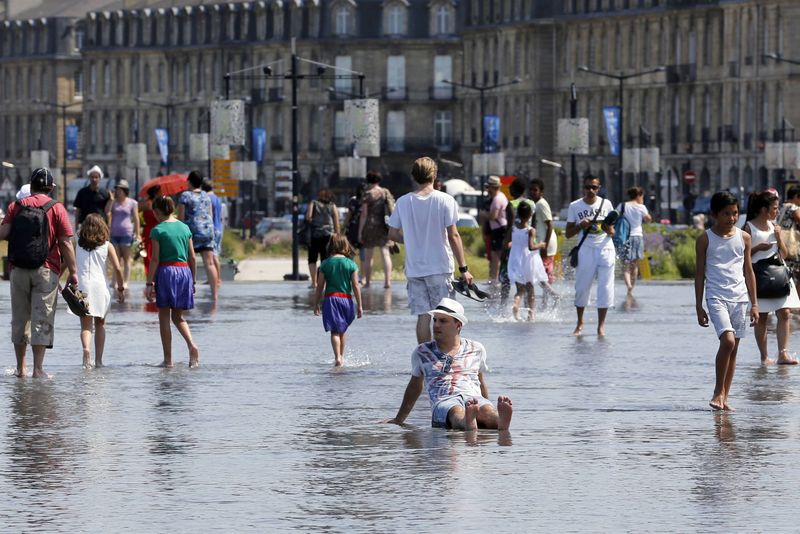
{"points": [[338, 313]]}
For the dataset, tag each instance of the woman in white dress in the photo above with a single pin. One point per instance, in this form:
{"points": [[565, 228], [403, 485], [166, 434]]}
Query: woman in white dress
{"points": [[766, 238], [92, 253], [525, 267]]}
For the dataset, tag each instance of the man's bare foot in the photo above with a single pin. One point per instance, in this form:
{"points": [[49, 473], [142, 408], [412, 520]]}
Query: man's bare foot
{"points": [[387, 285], [166, 364], [194, 358], [515, 312], [21, 373], [471, 415], [39, 373], [338, 361], [784, 358], [530, 316], [766, 360], [578, 330], [504, 412], [717, 403]]}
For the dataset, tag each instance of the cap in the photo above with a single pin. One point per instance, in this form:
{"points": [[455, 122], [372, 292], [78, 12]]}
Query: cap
{"points": [[493, 181], [41, 178], [453, 308]]}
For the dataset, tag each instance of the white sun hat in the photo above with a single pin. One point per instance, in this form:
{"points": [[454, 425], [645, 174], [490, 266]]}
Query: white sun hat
{"points": [[95, 169], [453, 308]]}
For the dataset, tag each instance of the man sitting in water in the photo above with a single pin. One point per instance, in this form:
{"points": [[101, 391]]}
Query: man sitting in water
{"points": [[451, 369]]}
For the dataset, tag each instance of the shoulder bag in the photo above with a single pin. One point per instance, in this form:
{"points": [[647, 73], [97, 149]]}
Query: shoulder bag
{"points": [[573, 254]]}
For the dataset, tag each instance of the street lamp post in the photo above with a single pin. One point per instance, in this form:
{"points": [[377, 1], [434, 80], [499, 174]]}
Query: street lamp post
{"points": [[621, 81], [294, 76], [63, 109], [169, 106], [573, 113], [481, 92]]}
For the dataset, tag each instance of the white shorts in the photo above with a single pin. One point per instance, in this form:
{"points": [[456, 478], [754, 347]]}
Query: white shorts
{"points": [[595, 262], [425, 292], [728, 317], [440, 410]]}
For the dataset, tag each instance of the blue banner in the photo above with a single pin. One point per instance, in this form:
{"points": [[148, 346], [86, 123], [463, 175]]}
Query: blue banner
{"points": [[162, 137], [259, 144], [611, 116], [71, 135], [491, 127]]}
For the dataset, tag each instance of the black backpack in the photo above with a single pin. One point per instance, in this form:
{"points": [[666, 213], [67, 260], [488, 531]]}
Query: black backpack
{"points": [[29, 240]]}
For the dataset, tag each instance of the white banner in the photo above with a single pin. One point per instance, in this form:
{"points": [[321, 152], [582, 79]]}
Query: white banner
{"points": [[573, 137], [791, 156], [649, 160], [244, 171], [486, 164], [220, 152], [136, 155], [362, 126], [630, 159], [198, 147], [352, 167], [227, 122], [40, 159]]}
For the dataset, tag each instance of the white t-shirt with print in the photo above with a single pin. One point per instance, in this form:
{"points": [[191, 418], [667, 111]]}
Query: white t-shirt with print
{"points": [[580, 210], [635, 213], [543, 214], [424, 221], [462, 373]]}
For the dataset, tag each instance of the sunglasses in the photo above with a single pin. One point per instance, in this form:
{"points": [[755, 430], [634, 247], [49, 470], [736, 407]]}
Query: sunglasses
{"points": [[448, 362], [592, 187]]}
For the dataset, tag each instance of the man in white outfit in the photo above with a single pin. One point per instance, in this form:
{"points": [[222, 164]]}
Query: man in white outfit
{"points": [[597, 256]]}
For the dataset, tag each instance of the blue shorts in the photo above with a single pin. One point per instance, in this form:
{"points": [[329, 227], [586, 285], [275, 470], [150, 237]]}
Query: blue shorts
{"points": [[440, 410], [122, 240], [634, 248]]}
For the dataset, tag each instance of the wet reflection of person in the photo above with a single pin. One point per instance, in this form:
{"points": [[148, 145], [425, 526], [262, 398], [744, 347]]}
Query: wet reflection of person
{"points": [[451, 369]]}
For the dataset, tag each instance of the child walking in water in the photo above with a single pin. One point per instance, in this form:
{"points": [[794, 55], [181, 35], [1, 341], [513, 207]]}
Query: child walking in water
{"points": [[725, 271], [92, 254], [525, 266], [337, 277], [171, 277]]}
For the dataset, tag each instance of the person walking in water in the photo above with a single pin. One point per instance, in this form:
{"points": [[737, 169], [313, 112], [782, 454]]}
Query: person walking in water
{"points": [[767, 242], [194, 208], [525, 267], [596, 257], [426, 221], [150, 222], [123, 217], [451, 368], [337, 278], [171, 279], [725, 271], [93, 253], [636, 213]]}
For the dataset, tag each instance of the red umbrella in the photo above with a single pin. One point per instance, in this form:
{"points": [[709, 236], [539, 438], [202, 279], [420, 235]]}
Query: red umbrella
{"points": [[171, 184]]}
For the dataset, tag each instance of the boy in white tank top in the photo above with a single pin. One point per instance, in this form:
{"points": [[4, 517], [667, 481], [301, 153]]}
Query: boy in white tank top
{"points": [[725, 271]]}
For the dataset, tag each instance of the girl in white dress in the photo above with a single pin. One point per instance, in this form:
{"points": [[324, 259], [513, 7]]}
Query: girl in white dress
{"points": [[766, 238], [525, 266], [92, 253]]}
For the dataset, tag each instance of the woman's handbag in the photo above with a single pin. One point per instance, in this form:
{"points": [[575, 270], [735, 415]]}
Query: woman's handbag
{"points": [[773, 279], [573, 254]]}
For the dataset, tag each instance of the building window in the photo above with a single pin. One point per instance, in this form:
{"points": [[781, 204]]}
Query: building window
{"points": [[187, 78], [396, 20], [442, 70], [396, 77], [146, 79], [442, 16], [135, 78], [200, 75], [395, 131], [162, 76], [443, 130], [93, 79], [106, 79], [79, 37], [342, 23], [343, 86], [338, 132]]}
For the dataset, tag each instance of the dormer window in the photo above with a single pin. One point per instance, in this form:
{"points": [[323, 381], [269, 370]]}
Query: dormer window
{"points": [[395, 18], [342, 21], [442, 18]]}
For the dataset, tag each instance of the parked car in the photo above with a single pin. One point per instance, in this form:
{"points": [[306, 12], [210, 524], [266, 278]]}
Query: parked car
{"points": [[269, 224], [465, 220]]}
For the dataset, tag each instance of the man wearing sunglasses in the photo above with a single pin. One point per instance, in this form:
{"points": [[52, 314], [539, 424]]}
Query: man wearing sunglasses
{"points": [[596, 257], [451, 369]]}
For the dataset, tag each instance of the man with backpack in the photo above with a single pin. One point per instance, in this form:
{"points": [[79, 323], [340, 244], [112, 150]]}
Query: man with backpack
{"points": [[39, 243]]}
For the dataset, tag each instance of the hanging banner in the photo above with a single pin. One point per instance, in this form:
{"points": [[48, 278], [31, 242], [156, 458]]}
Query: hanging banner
{"points": [[611, 116], [573, 137], [491, 127], [40, 159], [198, 147], [362, 128], [259, 144], [162, 137], [649, 160], [71, 135], [227, 122], [352, 167], [136, 155]]}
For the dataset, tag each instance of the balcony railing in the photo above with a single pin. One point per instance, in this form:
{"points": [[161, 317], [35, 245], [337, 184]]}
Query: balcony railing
{"points": [[442, 92], [395, 93], [418, 144]]}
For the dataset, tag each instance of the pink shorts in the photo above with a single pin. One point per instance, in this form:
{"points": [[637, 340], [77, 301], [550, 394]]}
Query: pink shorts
{"points": [[549, 264]]}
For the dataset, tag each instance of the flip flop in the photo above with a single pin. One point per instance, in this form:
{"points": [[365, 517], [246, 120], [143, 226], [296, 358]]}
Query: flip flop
{"points": [[611, 218], [470, 291]]}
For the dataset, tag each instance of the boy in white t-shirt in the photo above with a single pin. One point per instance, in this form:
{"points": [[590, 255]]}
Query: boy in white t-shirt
{"points": [[425, 221], [544, 228], [597, 256], [636, 213]]}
